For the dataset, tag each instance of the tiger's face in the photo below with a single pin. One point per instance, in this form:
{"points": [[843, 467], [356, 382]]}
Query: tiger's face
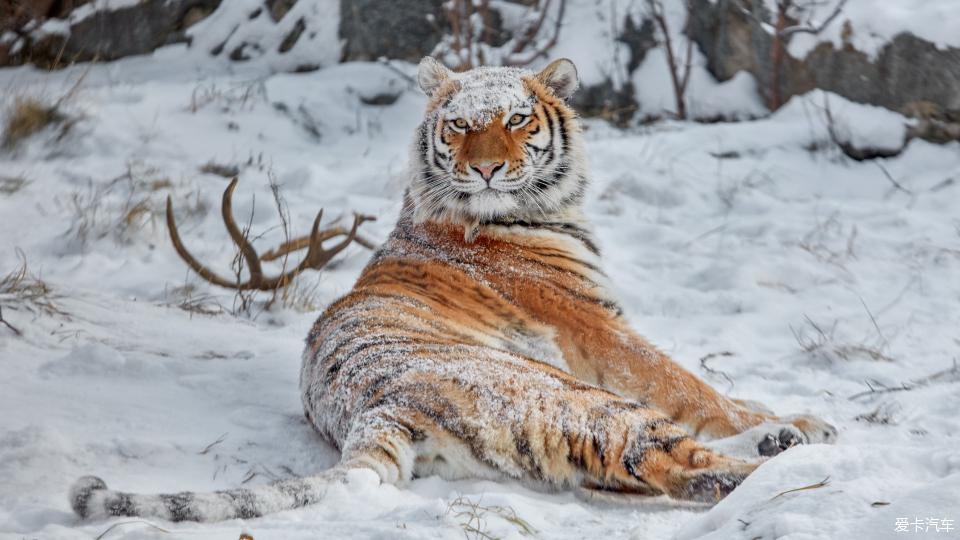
{"points": [[497, 143]]}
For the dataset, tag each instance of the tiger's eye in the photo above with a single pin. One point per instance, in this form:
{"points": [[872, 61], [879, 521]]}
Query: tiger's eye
{"points": [[516, 119], [460, 123]]}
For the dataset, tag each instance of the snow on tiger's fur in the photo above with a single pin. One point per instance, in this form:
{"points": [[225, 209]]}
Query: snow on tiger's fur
{"points": [[482, 340]]}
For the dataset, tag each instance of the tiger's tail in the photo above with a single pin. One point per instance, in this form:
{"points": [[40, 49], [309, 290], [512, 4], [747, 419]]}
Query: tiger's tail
{"points": [[91, 499]]}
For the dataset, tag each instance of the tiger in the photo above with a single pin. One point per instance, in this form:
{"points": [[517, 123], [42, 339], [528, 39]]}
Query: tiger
{"points": [[482, 339]]}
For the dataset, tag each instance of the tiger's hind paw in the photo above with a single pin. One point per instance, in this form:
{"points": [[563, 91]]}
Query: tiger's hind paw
{"points": [[772, 438]]}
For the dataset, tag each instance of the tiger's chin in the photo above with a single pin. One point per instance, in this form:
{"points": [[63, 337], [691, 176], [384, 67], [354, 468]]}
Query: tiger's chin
{"points": [[491, 203]]}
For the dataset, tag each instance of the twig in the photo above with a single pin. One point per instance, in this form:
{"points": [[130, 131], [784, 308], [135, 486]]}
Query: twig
{"points": [[214, 443], [800, 29], [701, 236], [8, 325], [534, 31], [679, 81], [131, 522], [896, 184], [906, 386], [385, 62], [883, 414], [874, 321], [823, 483], [712, 371]]}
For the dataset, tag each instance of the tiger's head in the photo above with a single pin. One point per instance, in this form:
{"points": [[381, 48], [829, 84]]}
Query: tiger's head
{"points": [[497, 144]]}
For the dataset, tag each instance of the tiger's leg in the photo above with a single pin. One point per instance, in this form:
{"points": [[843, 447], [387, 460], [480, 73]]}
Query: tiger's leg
{"points": [[639, 451], [616, 358], [600, 347]]}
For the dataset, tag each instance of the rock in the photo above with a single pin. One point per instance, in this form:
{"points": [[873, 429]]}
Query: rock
{"points": [[906, 70], [604, 100], [399, 29], [112, 34]]}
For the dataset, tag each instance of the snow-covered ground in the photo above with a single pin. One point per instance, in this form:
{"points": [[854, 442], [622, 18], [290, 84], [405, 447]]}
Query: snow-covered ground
{"points": [[804, 278]]}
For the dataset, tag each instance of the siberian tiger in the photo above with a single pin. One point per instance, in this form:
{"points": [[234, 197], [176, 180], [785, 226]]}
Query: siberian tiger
{"points": [[482, 340]]}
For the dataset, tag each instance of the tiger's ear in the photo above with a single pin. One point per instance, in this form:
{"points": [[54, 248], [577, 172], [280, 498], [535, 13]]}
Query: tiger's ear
{"points": [[431, 74], [560, 77]]}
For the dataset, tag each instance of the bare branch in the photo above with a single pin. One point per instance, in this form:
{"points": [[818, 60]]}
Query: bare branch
{"points": [[950, 374], [714, 371], [807, 29], [316, 257], [8, 325], [679, 81], [540, 51]]}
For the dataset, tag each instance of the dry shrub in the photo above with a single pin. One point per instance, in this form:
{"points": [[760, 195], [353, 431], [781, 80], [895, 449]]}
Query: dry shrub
{"points": [[473, 516], [12, 184], [21, 290], [28, 116], [123, 207]]}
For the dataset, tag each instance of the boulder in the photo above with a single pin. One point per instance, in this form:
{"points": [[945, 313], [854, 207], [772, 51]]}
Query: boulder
{"points": [[906, 71], [110, 34], [399, 29]]}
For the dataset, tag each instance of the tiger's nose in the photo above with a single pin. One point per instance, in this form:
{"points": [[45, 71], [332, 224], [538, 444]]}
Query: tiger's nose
{"points": [[487, 169]]}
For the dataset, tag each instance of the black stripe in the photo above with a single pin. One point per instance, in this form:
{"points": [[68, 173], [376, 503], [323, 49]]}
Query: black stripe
{"points": [[121, 504], [551, 152], [244, 502], [581, 234], [180, 506]]}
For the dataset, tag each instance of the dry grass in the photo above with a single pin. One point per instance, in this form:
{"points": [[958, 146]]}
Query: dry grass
{"points": [[12, 184], [820, 341], [220, 169], [123, 207], [21, 290], [237, 97], [472, 517], [884, 414], [188, 299], [296, 294], [29, 116]]}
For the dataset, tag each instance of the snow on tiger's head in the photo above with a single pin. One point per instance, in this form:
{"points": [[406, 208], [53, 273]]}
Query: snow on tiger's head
{"points": [[497, 143]]}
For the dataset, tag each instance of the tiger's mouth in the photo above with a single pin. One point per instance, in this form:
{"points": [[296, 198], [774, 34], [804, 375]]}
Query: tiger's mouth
{"points": [[499, 185]]}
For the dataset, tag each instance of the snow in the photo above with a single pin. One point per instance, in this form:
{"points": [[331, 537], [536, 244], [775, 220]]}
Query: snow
{"points": [[755, 238], [248, 21], [588, 37], [737, 98], [874, 24], [863, 126], [245, 25]]}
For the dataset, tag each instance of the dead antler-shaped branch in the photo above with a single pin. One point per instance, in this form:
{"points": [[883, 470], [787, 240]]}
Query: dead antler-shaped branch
{"points": [[303, 242], [316, 258]]}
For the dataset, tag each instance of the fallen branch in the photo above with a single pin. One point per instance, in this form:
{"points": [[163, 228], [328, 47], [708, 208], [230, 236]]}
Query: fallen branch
{"points": [[712, 371], [896, 184], [211, 445], [877, 388], [823, 483], [131, 522]]}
